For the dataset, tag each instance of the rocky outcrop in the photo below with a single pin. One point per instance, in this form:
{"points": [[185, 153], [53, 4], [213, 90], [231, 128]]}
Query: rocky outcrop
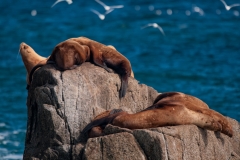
{"points": [[61, 104]]}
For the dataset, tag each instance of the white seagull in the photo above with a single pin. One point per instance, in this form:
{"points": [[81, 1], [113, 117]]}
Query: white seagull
{"points": [[229, 7], [68, 1], [101, 16], [198, 10], [154, 25], [107, 8]]}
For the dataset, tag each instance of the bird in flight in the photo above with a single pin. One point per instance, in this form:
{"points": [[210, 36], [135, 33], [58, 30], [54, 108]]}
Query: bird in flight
{"points": [[101, 16], [154, 25], [229, 7], [68, 1], [107, 8]]}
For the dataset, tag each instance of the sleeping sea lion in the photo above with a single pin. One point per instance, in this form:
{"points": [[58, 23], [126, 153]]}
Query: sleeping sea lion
{"points": [[66, 55], [30, 58], [171, 108], [75, 51]]}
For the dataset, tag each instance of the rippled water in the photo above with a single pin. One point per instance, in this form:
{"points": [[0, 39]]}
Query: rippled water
{"points": [[199, 54]]}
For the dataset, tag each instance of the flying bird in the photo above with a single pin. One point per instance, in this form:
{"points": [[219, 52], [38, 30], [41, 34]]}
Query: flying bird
{"points": [[107, 8], [101, 16], [68, 1], [154, 25], [198, 10], [229, 7]]}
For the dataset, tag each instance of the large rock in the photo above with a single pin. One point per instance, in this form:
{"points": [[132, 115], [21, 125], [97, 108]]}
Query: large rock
{"points": [[61, 104]]}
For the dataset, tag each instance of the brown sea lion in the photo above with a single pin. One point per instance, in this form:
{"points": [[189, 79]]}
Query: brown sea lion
{"points": [[171, 108], [105, 57], [66, 55], [30, 58], [74, 51]]}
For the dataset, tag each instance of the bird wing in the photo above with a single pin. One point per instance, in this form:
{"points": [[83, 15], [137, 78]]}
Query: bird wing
{"points": [[108, 11], [104, 5], [225, 4], [148, 25], [101, 16], [96, 12], [234, 5], [56, 3], [161, 30], [118, 6]]}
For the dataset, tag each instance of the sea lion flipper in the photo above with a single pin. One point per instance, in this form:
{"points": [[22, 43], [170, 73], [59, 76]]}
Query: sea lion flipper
{"points": [[102, 122], [40, 64], [124, 85], [226, 126], [106, 68], [98, 122], [102, 64]]}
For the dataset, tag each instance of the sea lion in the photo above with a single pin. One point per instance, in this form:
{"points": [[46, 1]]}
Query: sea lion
{"points": [[69, 54], [105, 57], [171, 108], [30, 58], [66, 55], [75, 51]]}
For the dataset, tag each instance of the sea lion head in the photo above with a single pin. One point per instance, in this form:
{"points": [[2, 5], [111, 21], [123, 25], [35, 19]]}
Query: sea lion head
{"points": [[69, 53], [30, 57]]}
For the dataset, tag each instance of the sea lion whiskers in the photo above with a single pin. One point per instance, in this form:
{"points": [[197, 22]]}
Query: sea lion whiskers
{"points": [[18, 52]]}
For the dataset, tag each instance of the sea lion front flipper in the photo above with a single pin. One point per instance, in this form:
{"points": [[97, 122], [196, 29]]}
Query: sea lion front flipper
{"points": [[102, 64], [103, 121], [40, 64], [98, 59], [124, 85]]}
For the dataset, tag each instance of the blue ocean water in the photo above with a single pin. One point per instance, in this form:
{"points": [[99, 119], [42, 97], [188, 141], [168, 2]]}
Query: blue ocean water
{"points": [[199, 54]]}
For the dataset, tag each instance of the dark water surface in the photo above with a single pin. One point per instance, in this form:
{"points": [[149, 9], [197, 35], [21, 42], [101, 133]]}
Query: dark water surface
{"points": [[199, 54]]}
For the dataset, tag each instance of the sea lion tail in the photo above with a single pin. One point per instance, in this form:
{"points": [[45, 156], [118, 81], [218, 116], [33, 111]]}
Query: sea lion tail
{"points": [[124, 85]]}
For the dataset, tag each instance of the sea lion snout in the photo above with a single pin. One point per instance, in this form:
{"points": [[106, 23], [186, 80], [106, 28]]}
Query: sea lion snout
{"points": [[25, 46]]}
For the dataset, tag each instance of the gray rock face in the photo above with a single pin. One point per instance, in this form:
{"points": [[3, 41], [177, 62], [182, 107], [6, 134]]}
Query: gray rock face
{"points": [[61, 104]]}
